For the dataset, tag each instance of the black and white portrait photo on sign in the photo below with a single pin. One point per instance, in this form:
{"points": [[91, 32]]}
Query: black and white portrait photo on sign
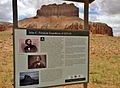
{"points": [[36, 61], [28, 45]]}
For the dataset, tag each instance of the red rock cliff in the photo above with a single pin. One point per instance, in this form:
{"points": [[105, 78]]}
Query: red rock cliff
{"points": [[58, 10], [101, 28]]}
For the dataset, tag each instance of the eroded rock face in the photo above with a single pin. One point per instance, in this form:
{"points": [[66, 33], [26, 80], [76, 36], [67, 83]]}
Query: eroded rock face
{"points": [[64, 9], [101, 28], [66, 23], [63, 17], [95, 28]]}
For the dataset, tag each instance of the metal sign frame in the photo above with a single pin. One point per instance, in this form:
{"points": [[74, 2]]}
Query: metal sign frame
{"points": [[86, 27]]}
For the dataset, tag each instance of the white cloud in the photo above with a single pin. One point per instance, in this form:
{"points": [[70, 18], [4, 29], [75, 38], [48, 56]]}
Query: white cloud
{"points": [[109, 7], [109, 12], [28, 8], [5, 10]]}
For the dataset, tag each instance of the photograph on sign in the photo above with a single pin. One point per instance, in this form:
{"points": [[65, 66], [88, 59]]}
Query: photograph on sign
{"points": [[29, 78], [28, 45], [36, 61]]}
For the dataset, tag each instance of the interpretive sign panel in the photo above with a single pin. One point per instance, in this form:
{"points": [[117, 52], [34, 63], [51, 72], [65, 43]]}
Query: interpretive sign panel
{"points": [[50, 57]]}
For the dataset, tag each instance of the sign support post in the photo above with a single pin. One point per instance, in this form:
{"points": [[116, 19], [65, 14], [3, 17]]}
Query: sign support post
{"points": [[15, 14], [85, 85], [15, 25], [86, 14], [86, 24]]}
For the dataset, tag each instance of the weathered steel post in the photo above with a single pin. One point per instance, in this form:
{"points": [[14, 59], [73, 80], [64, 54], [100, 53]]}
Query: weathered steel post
{"points": [[86, 14], [15, 14]]}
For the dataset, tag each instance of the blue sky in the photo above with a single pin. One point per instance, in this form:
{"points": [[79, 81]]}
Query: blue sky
{"points": [[105, 11]]}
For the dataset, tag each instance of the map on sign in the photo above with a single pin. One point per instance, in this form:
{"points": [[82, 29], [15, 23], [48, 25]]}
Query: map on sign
{"points": [[48, 58]]}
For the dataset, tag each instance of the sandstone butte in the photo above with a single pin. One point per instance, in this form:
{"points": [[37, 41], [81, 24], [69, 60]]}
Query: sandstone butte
{"points": [[64, 17]]}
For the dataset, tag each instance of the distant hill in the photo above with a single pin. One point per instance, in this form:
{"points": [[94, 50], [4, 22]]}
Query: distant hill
{"points": [[5, 26]]}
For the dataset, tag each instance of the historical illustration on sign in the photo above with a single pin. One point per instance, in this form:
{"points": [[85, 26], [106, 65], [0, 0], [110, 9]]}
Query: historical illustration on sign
{"points": [[28, 45], [36, 61]]}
